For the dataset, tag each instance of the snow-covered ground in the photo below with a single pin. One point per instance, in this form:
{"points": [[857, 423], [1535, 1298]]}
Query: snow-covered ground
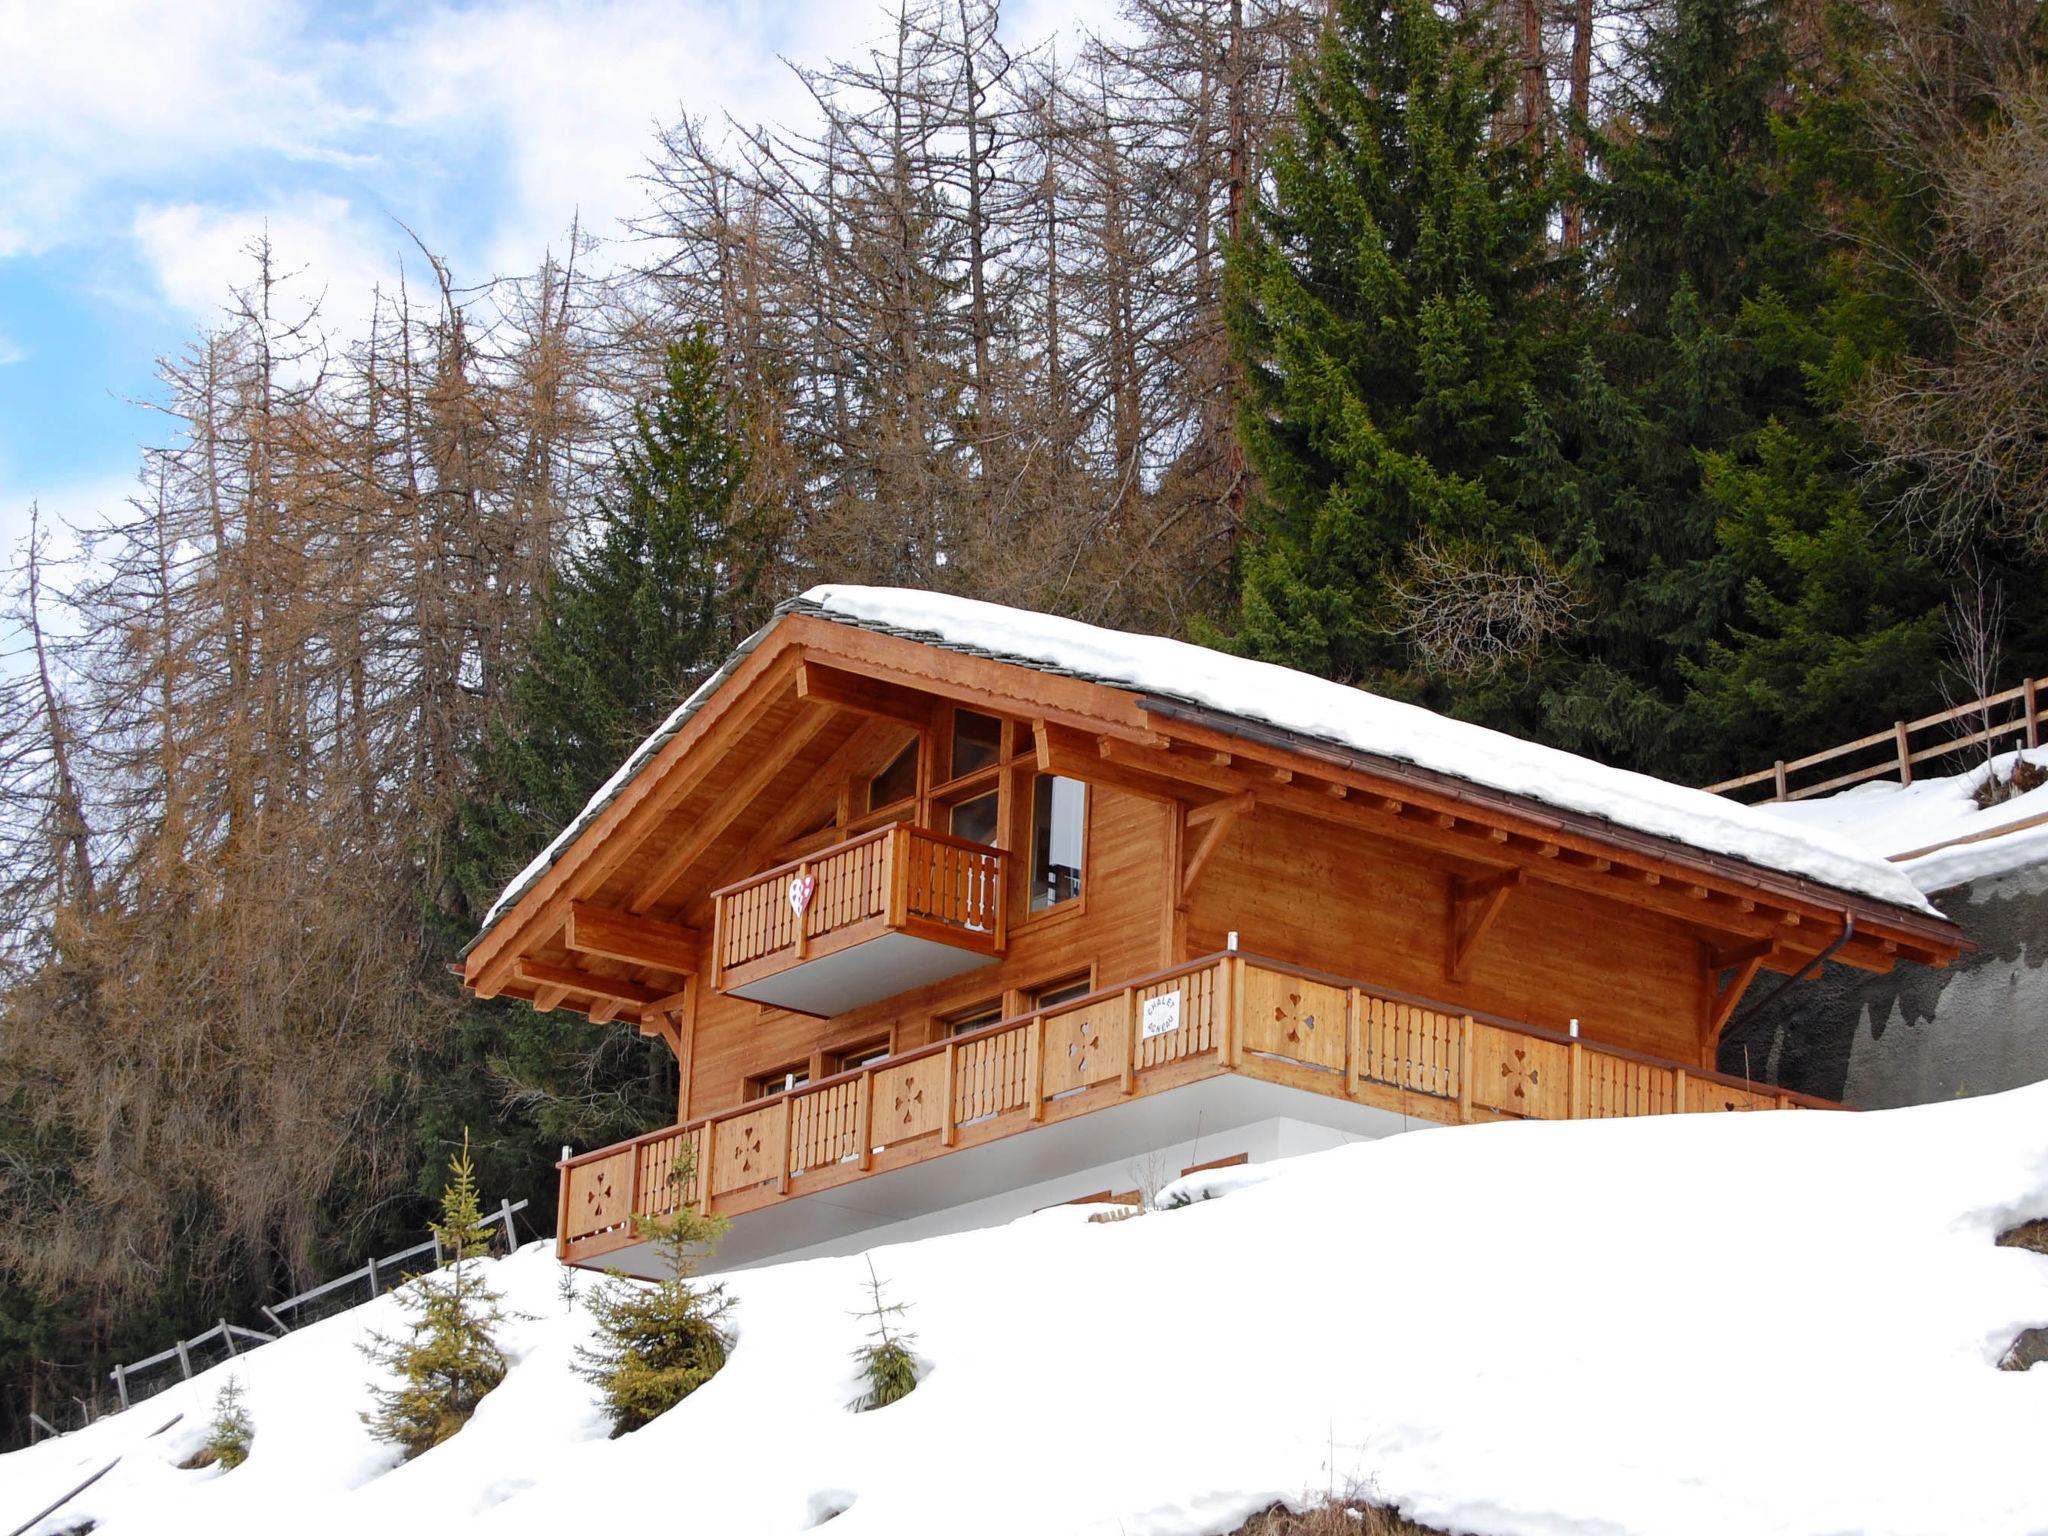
{"points": [[1705, 1324], [1887, 819]]}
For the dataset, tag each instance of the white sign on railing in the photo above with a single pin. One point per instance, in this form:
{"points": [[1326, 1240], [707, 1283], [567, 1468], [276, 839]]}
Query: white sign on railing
{"points": [[1161, 1015]]}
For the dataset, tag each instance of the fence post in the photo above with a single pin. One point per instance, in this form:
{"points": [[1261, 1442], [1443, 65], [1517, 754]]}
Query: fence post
{"points": [[371, 1270], [1778, 780], [1905, 753], [45, 1425], [228, 1338], [1130, 1080], [505, 1216], [121, 1384], [275, 1321], [2033, 713], [184, 1360], [1464, 1067]]}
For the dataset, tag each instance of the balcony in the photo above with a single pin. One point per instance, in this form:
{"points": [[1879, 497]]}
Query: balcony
{"points": [[877, 915], [1229, 1021]]}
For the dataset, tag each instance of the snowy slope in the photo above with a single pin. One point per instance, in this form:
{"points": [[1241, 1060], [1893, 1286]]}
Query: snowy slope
{"points": [[1887, 819], [1699, 1324], [1309, 706]]}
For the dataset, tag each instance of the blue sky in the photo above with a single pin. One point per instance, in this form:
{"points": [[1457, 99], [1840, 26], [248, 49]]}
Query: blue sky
{"points": [[143, 145]]}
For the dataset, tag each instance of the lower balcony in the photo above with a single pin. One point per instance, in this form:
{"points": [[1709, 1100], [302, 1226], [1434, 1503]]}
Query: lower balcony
{"points": [[897, 908], [1227, 1037]]}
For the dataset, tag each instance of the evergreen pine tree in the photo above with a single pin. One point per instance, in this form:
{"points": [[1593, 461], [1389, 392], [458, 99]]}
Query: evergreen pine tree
{"points": [[886, 1363], [448, 1358], [657, 1343], [1387, 308], [634, 620], [229, 1434]]}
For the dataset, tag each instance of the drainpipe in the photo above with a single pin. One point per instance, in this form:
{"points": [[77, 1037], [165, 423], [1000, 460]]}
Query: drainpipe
{"points": [[1805, 972]]}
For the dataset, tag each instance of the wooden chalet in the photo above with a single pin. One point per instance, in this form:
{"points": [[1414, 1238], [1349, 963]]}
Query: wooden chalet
{"points": [[949, 912]]}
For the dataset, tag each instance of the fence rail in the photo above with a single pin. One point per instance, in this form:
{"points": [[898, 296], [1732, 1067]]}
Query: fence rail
{"points": [[2012, 717], [1227, 1012]]}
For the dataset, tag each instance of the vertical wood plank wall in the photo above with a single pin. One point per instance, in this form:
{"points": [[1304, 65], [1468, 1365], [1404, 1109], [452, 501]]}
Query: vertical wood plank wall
{"points": [[1342, 900]]}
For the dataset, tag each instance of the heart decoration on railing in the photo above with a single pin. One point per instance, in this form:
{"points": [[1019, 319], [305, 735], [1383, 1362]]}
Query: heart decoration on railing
{"points": [[801, 888]]}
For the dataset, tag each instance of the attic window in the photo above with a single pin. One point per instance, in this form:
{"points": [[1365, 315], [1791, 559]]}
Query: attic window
{"points": [[977, 741], [896, 782]]}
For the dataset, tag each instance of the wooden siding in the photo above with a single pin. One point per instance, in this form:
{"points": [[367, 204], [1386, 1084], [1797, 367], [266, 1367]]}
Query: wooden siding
{"points": [[1340, 899], [1252, 1015]]}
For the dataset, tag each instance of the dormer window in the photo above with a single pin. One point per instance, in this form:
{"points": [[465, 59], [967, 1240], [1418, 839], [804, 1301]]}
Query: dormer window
{"points": [[895, 783]]}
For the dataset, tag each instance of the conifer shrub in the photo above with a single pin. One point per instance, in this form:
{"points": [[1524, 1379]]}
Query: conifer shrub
{"points": [[886, 1363], [448, 1357], [657, 1343], [230, 1431]]}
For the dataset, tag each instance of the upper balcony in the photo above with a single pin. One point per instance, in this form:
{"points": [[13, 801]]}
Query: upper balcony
{"points": [[876, 915]]}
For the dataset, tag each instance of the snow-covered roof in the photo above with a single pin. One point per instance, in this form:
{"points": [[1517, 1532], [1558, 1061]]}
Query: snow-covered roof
{"points": [[1311, 708]]}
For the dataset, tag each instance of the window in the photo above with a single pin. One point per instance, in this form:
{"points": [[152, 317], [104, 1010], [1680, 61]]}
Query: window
{"points": [[896, 782], [782, 1080], [859, 1055], [1065, 990], [977, 742], [1059, 823], [980, 1016], [975, 819]]}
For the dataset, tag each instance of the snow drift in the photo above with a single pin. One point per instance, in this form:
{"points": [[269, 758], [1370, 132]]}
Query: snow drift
{"points": [[1693, 1324]]}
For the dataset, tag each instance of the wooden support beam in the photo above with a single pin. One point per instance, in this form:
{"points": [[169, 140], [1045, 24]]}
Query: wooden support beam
{"points": [[548, 999], [1475, 904], [1217, 818], [641, 941], [584, 983], [691, 847], [818, 683], [1078, 755], [1741, 964], [605, 1010]]}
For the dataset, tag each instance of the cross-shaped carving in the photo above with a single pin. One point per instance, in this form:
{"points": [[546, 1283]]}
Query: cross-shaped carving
{"points": [[747, 1147], [908, 1097], [1521, 1073], [1087, 1040], [598, 1196]]}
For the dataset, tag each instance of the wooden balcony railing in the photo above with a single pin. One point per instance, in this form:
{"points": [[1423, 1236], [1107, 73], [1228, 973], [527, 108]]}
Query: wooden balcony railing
{"points": [[1223, 1013], [895, 879]]}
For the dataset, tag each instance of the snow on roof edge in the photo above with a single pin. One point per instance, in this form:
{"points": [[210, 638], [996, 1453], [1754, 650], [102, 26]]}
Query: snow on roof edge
{"points": [[1288, 700]]}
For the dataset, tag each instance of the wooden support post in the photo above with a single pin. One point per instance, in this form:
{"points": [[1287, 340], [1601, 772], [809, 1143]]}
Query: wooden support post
{"points": [[866, 1094], [1678, 1092], [2033, 712], [1130, 1041], [184, 1359], [561, 1208], [946, 1125], [121, 1384], [1233, 1011], [371, 1270], [1464, 1067], [788, 1132], [1905, 752], [1778, 780], [1354, 1053], [275, 1321], [710, 1140], [1036, 1067], [1575, 1082], [228, 1338]]}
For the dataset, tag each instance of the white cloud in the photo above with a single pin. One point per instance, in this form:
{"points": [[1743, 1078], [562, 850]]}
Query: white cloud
{"points": [[11, 352], [198, 255]]}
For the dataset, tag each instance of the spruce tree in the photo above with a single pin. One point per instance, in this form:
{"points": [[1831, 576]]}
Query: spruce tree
{"points": [[636, 617], [657, 1343], [448, 1357], [888, 1369], [230, 1431], [1387, 309]]}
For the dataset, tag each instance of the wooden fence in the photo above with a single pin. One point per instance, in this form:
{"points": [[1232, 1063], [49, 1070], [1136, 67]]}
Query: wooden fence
{"points": [[1999, 720], [142, 1379], [1222, 1013]]}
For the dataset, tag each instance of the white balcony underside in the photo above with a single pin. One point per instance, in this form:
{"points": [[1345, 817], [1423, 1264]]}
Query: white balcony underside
{"points": [[1142, 1143], [865, 973]]}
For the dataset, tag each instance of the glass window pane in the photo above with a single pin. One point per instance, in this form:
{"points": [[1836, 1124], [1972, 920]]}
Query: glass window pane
{"points": [[977, 741], [1054, 993], [861, 1055], [978, 1017], [975, 819], [1059, 822], [896, 782]]}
